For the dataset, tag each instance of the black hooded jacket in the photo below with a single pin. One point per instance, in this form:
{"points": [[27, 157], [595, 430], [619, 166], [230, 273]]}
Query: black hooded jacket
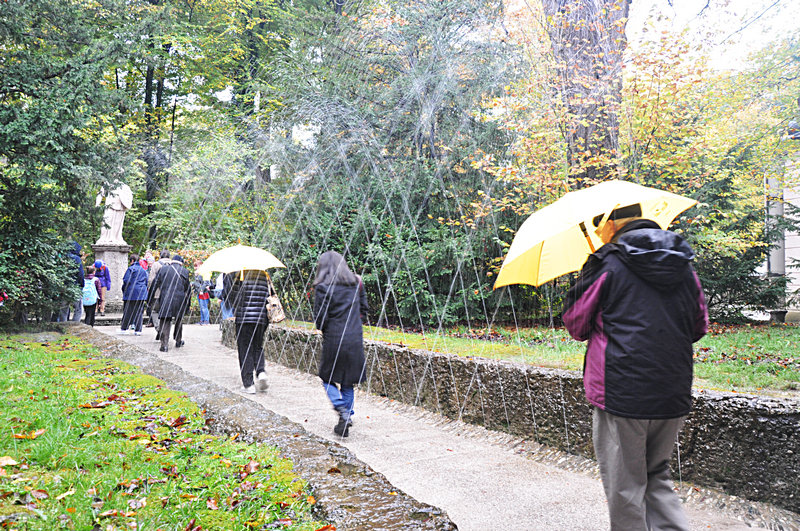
{"points": [[640, 305]]}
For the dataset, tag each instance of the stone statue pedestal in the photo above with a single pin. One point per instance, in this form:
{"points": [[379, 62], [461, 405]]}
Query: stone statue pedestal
{"points": [[115, 256]]}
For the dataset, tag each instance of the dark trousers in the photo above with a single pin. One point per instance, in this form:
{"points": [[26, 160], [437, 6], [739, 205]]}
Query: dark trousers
{"points": [[250, 344], [164, 325], [89, 311], [132, 314]]}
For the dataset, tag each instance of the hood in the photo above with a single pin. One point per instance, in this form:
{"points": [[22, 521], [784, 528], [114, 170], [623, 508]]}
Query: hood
{"points": [[76, 248], [658, 256]]}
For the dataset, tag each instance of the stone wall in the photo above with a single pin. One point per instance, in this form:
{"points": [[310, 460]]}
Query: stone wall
{"points": [[748, 446]]}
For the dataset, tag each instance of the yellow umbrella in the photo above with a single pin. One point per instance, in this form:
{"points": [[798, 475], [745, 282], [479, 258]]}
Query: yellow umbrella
{"points": [[557, 239], [238, 258]]}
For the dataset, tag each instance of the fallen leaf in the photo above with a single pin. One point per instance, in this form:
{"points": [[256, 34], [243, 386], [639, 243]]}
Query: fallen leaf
{"points": [[334, 470], [40, 494], [252, 467], [180, 421], [70, 510], [64, 495], [137, 504], [311, 500], [328, 527], [7, 461], [211, 503]]}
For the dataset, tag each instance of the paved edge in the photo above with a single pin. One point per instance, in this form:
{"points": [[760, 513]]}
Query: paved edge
{"points": [[349, 493]]}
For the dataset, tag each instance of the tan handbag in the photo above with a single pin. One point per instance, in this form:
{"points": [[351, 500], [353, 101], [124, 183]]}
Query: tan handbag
{"points": [[274, 306]]}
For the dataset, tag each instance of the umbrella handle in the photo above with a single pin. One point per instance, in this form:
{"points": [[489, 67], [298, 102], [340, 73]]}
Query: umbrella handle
{"points": [[586, 235]]}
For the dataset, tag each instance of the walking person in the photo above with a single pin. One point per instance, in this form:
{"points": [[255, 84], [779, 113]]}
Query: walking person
{"points": [[101, 272], [640, 305], [248, 294], [340, 307], [203, 290], [134, 296], [221, 290], [90, 295], [173, 282], [153, 301]]}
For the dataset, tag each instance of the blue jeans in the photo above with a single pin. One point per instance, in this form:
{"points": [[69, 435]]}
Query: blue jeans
{"points": [[204, 315], [343, 399]]}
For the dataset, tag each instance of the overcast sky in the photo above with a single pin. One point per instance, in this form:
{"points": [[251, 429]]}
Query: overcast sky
{"points": [[731, 28]]}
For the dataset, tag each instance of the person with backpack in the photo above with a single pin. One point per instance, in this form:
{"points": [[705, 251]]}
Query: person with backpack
{"points": [[90, 295]]}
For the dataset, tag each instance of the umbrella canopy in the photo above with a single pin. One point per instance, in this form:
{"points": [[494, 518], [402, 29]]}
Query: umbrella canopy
{"points": [[557, 239], [238, 258]]}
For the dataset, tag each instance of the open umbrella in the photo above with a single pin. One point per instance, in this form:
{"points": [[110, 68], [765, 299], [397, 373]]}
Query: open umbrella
{"points": [[238, 258], [557, 239]]}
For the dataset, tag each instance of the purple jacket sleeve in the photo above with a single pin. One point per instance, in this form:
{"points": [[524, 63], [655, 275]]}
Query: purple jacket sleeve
{"points": [[581, 308]]}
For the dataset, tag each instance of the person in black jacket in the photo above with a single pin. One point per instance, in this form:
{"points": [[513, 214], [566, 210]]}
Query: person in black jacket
{"points": [[340, 306], [173, 282], [639, 303], [248, 294]]}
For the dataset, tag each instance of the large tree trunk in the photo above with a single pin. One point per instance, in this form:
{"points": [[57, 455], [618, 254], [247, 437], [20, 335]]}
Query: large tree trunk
{"points": [[588, 40]]}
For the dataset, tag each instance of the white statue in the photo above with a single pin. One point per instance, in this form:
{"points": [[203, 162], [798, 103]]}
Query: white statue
{"points": [[118, 201]]}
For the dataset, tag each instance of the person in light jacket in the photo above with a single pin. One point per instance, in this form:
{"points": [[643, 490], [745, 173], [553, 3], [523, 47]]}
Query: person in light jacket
{"points": [[640, 305], [134, 296], [248, 294], [340, 307]]}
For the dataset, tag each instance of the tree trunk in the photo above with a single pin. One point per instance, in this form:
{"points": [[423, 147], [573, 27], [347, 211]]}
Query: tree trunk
{"points": [[588, 40]]}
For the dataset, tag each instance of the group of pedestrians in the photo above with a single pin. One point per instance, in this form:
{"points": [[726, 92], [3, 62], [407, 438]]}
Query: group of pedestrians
{"points": [[164, 289], [637, 301]]}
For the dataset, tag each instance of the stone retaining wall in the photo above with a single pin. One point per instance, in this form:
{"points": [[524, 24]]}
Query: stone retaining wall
{"points": [[745, 445]]}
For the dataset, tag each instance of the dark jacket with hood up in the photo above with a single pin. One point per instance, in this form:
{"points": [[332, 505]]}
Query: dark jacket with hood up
{"points": [[339, 310], [640, 305]]}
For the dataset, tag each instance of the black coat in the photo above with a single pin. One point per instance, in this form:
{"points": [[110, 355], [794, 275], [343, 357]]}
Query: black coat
{"points": [[173, 280], [338, 312], [248, 297]]}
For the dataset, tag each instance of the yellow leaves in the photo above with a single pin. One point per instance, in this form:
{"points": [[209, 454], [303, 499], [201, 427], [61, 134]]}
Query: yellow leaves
{"points": [[31, 435]]}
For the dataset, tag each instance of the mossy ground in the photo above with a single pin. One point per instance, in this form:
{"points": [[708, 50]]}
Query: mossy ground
{"points": [[92, 443]]}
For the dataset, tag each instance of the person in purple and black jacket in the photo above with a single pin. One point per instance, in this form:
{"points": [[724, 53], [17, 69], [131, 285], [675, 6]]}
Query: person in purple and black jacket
{"points": [[640, 305]]}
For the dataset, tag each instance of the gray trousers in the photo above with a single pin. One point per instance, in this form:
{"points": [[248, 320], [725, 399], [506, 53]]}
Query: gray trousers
{"points": [[634, 455]]}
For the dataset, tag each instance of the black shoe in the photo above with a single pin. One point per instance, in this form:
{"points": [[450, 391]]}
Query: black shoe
{"points": [[179, 344], [163, 349], [158, 337], [342, 428]]}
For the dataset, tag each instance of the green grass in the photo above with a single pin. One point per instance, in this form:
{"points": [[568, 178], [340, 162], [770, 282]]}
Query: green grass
{"points": [[740, 359], [92, 443], [749, 358]]}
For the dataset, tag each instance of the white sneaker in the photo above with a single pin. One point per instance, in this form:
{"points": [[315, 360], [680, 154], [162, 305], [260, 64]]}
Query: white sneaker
{"points": [[123, 332], [137, 333], [261, 381], [250, 390]]}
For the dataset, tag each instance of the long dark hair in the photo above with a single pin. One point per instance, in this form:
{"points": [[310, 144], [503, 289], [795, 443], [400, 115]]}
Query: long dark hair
{"points": [[332, 269]]}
